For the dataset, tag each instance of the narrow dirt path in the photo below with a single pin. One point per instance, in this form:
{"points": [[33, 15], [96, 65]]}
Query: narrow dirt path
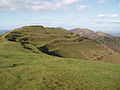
{"points": [[102, 55], [3, 36], [105, 54], [83, 41]]}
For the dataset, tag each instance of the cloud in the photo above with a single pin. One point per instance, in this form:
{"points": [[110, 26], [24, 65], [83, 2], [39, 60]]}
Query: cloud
{"points": [[102, 1], [11, 4], [35, 5], [68, 2], [81, 7], [108, 22], [107, 16], [55, 5]]}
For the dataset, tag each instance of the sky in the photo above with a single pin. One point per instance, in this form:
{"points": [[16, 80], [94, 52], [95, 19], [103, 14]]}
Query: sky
{"points": [[97, 15]]}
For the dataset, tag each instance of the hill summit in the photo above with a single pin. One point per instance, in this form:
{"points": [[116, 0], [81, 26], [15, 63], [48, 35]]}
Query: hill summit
{"points": [[61, 43]]}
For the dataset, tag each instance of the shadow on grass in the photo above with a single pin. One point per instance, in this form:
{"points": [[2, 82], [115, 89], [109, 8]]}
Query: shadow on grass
{"points": [[11, 66], [44, 49]]}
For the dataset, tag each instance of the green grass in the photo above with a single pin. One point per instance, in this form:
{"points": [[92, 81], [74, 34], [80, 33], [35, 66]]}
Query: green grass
{"points": [[31, 69], [25, 70], [75, 49]]}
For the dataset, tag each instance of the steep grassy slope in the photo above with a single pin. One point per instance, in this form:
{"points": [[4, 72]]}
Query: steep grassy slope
{"points": [[59, 42], [76, 48], [21, 69]]}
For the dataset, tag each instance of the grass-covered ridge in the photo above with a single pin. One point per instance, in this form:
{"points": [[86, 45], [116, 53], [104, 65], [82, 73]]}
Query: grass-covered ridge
{"points": [[31, 69], [59, 42]]}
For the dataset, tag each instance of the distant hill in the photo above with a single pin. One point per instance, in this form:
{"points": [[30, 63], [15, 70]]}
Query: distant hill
{"points": [[3, 31], [89, 33], [115, 34], [60, 28], [107, 39]]}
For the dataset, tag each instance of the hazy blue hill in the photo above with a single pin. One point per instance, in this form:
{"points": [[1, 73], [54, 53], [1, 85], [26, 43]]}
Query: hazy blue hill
{"points": [[4, 31], [60, 28], [117, 34]]}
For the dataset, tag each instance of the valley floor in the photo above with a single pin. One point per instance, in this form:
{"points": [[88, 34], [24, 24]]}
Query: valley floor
{"points": [[21, 69]]}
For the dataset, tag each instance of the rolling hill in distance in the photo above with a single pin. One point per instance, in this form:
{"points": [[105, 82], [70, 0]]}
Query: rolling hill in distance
{"points": [[117, 34], [4, 31], [110, 41], [90, 34], [44, 58]]}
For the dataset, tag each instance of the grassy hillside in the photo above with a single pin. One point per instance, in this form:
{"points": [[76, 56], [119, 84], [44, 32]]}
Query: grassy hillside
{"points": [[76, 48], [24, 67], [59, 42], [21, 69]]}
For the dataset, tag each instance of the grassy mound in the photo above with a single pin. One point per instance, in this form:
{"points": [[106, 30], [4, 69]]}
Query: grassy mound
{"points": [[59, 42]]}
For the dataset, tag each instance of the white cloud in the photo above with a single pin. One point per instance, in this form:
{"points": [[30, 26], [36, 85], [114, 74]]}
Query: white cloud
{"points": [[102, 1], [35, 5], [57, 4], [81, 7], [115, 22], [11, 4], [68, 2], [107, 16]]}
